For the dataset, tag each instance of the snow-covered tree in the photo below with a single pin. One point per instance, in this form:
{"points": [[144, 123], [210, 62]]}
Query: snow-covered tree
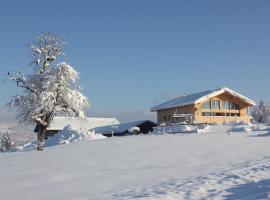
{"points": [[51, 89], [261, 113]]}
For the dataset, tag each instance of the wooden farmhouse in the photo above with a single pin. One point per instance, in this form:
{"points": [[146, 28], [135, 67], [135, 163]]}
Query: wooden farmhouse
{"points": [[212, 106]]}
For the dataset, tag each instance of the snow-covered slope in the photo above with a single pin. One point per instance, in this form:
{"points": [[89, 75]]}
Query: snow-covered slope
{"points": [[180, 166]]}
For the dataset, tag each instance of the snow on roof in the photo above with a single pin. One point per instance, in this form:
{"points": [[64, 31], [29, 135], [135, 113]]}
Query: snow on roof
{"points": [[198, 98], [88, 123], [119, 128]]}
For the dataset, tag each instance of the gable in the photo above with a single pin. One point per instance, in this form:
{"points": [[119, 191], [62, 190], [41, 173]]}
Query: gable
{"points": [[201, 97]]}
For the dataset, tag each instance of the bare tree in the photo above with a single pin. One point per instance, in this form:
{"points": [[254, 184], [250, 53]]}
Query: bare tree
{"points": [[51, 89]]}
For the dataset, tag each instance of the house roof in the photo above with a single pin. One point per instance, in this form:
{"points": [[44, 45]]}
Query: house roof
{"points": [[120, 128], [88, 123], [200, 97]]}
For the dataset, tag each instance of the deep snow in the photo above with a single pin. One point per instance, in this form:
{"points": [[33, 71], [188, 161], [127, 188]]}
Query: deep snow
{"points": [[179, 166]]}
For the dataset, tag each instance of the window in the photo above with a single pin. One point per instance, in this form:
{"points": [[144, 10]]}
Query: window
{"points": [[234, 106], [225, 105], [232, 114], [165, 118], [169, 117], [206, 105], [247, 111], [206, 114], [215, 105], [219, 114]]}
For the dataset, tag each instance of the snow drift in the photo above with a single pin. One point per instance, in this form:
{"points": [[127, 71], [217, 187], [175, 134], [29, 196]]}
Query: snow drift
{"points": [[66, 136]]}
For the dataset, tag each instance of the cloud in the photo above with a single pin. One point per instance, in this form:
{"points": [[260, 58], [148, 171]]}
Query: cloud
{"points": [[7, 118], [124, 116]]}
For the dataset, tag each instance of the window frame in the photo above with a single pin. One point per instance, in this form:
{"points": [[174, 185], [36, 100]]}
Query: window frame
{"points": [[214, 105]]}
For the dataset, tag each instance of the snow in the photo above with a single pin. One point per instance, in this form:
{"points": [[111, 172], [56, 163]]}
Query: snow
{"points": [[76, 123], [20, 135], [198, 98], [118, 128], [210, 165], [51, 89], [66, 136]]}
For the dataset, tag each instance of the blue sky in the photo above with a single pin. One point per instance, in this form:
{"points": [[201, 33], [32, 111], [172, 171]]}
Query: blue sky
{"points": [[134, 54]]}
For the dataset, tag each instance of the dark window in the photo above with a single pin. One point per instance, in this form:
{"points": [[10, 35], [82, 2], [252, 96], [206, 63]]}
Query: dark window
{"points": [[220, 114], [234, 106], [206, 114], [213, 114], [165, 118]]}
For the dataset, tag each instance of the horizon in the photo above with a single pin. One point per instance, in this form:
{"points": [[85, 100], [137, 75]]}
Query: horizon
{"points": [[134, 55]]}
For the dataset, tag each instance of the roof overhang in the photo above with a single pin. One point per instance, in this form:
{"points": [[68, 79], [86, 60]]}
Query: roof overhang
{"points": [[212, 94], [228, 90]]}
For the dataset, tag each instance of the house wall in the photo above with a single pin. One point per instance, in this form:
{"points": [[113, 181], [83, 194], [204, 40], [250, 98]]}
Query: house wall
{"points": [[242, 112], [165, 116], [197, 110]]}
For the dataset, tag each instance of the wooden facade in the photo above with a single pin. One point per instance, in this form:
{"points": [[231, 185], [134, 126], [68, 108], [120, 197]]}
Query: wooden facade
{"points": [[222, 108]]}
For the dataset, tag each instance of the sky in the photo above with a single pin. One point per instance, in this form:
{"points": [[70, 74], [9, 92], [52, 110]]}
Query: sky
{"points": [[132, 55]]}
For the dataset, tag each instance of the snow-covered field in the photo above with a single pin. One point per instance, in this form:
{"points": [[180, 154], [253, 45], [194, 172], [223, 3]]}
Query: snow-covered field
{"points": [[226, 162]]}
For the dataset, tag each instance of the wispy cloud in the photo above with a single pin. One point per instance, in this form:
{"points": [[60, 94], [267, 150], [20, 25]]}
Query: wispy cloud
{"points": [[124, 116], [7, 118]]}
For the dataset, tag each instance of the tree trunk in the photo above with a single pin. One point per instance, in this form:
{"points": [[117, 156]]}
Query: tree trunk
{"points": [[41, 137]]}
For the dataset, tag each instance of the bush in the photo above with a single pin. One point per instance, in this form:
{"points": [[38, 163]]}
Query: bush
{"points": [[6, 142]]}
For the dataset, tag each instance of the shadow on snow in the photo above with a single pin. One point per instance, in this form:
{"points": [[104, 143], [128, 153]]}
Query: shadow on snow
{"points": [[250, 191]]}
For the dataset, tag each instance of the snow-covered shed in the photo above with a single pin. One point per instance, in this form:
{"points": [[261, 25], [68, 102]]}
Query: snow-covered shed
{"points": [[59, 123], [144, 127], [211, 106]]}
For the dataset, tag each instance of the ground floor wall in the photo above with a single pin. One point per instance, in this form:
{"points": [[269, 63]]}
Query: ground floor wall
{"points": [[166, 116], [221, 119]]}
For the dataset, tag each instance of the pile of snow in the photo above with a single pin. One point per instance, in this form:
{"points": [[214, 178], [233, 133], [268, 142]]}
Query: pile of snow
{"points": [[232, 127], [59, 123], [66, 136], [177, 128], [69, 135]]}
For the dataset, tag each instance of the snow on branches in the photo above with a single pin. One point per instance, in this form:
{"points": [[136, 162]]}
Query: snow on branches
{"points": [[46, 49], [51, 89], [261, 113]]}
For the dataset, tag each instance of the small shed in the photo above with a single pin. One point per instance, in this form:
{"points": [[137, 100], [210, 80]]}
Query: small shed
{"points": [[145, 127]]}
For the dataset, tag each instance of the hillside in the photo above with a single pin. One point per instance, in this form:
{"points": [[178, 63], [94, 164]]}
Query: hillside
{"points": [[180, 166]]}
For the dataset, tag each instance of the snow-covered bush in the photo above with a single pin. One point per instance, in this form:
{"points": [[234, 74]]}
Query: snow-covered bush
{"points": [[261, 113], [134, 130], [6, 142]]}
